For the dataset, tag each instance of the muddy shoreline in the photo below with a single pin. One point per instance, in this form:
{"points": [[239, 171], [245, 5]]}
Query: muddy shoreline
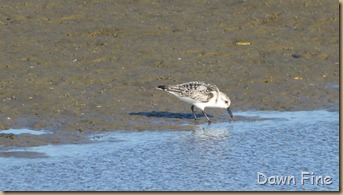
{"points": [[79, 67]]}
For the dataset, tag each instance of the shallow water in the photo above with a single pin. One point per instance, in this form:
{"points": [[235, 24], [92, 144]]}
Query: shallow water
{"points": [[223, 156], [22, 131]]}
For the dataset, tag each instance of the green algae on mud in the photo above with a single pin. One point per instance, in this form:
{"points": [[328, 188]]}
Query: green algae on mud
{"points": [[86, 66]]}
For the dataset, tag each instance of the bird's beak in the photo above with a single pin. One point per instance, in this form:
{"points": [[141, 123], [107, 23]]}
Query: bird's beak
{"points": [[229, 111]]}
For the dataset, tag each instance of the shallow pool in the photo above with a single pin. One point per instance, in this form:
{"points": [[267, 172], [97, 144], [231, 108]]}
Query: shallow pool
{"points": [[249, 154]]}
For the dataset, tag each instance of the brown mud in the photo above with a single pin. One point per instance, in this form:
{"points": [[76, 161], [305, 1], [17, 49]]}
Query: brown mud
{"points": [[75, 67]]}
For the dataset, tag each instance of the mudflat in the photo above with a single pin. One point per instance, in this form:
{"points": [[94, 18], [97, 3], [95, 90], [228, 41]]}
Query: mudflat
{"points": [[75, 67]]}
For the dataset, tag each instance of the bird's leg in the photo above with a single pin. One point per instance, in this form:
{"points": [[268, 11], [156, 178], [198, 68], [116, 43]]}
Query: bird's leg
{"points": [[195, 117], [209, 121]]}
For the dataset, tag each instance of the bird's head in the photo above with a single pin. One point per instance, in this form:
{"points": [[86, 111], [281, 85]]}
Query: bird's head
{"points": [[226, 102]]}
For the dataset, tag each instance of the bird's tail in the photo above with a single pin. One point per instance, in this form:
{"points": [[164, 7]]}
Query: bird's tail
{"points": [[162, 87]]}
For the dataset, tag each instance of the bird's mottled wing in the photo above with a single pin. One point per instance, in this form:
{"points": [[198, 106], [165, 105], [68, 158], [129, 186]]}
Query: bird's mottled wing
{"points": [[198, 91]]}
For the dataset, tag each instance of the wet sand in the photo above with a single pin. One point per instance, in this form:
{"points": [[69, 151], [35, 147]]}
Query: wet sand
{"points": [[75, 67]]}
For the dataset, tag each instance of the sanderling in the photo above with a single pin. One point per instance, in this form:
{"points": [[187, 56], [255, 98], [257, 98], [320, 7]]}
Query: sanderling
{"points": [[200, 95]]}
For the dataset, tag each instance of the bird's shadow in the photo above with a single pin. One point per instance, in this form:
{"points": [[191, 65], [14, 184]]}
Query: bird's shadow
{"points": [[164, 114]]}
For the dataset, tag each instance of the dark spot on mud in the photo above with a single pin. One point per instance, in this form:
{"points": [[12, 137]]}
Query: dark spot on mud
{"points": [[296, 55]]}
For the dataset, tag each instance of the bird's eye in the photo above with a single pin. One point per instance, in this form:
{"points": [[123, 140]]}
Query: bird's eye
{"points": [[226, 102]]}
